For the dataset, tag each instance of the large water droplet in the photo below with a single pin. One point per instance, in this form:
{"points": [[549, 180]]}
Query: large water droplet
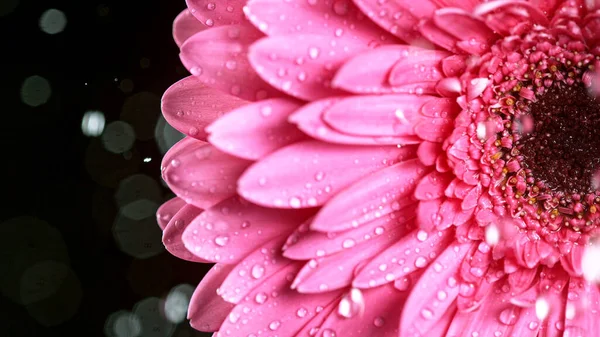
{"points": [[221, 240], [508, 316], [257, 271]]}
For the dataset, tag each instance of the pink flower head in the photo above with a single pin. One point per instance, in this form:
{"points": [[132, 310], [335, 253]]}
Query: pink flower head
{"points": [[388, 167]]}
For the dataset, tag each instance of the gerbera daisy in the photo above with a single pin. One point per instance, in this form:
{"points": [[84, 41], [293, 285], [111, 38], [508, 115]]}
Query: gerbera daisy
{"points": [[387, 167]]}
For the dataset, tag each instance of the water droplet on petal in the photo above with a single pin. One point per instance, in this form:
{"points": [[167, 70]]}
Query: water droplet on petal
{"points": [[260, 298], [274, 325], [378, 321], [422, 235], [508, 316], [221, 240], [257, 271]]}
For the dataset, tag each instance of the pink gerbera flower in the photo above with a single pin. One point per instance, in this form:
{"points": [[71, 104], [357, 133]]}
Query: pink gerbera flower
{"points": [[388, 167]]}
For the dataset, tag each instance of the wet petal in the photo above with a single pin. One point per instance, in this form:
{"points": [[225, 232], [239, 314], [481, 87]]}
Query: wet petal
{"points": [[200, 174], [411, 253], [172, 236], [382, 322], [342, 20], [217, 13], [325, 168], [273, 307], [375, 195], [255, 130], [230, 230], [376, 115], [435, 292], [309, 120], [218, 57], [207, 310], [189, 106], [399, 17], [306, 245], [301, 65], [337, 271], [185, 26], [166, 211]]}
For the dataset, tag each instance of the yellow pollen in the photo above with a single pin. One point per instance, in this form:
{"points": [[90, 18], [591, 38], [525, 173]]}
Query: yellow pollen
{"points": [[553, 68], [510, 101], [593, 209]]}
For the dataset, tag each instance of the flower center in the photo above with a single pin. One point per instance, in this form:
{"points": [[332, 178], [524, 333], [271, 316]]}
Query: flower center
{"points": [[561, 146]]}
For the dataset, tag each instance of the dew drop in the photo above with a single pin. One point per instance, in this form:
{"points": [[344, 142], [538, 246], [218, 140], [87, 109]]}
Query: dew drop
{"points": [[301, 312], [329, 333], [313, 52], [257, 271], [348, 243], [260, 298], [378, 321], [508, 316], [221, 240], [422, 235], [420, 262], [274, 325]]}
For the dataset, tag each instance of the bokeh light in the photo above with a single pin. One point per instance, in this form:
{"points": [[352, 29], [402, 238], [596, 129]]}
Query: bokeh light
{"points": [[93, 123], [177, 303], [166, 136], [53, 21], [24, 242], [35, 91], [153, 321], [123, 324], [140, 238], [118, 137]]}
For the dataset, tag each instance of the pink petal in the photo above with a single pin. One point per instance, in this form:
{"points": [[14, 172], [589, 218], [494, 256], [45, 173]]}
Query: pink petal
{"points": [[500, 15], [376, 115], [326, 168], [218, 57], [189, 106], [207, 310], [572, 261], [253, 270], [411, 253], [437, 35], [399, 17], [471, 199], [255, 130], [172, 236], [381, 322], [434, 293], [342, 20], [434, 129], [464, 4], [369, 71], [378, 194], [470, 28], [200, 174], [273, 307], [309, 120], [312, 327], [433, 185], [495, 317], [301, 65], [418, 66], [428, 152], [428, 216], [230, 230], [166, 211], [582, 318], [185, 26], [337, 271], [555, 281], [211, 13], [305, 245]]}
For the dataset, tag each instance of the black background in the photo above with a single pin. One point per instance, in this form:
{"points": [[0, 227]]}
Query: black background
{"points": [[53, 172]]}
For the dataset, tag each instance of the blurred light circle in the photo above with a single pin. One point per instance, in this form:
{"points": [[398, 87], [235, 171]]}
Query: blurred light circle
{"points": [[135, 187], [118, 137], [92, 123], [166, 136], [51, 292], [177, 303], [53, 21], [154, 324], [138, 238], [107, 168], [122, 324], [8, 6], [35, 91], [24, 242], [126, 85], [140, 209], [141, 111]]}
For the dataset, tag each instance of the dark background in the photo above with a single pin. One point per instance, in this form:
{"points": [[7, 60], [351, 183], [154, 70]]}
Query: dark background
{"points": [[80, 251]]}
